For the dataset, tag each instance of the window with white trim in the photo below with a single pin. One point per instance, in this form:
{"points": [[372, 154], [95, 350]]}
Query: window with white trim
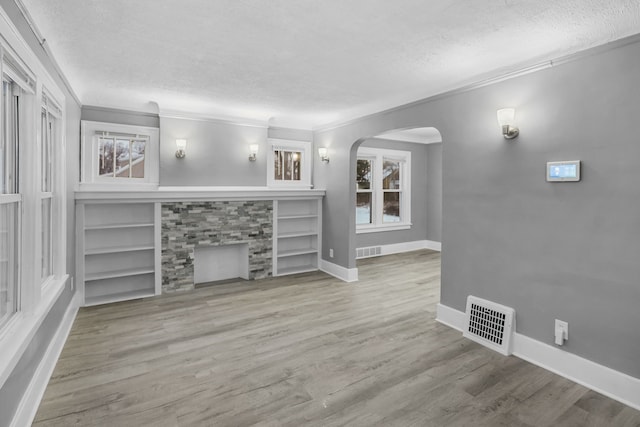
{"points": [[288, 163], [122, 155], [383, 190], [10, 202], [49, 143]]}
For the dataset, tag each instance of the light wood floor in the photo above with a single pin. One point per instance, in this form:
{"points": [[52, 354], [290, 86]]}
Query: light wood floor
{"points": [[304, 350]]}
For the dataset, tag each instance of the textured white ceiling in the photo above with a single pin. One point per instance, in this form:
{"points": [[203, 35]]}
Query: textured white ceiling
{"points": [[306, 63]]}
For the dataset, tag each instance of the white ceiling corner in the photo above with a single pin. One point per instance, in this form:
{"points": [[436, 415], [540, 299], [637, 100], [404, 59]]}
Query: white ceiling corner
{"points": [[308, 63]]}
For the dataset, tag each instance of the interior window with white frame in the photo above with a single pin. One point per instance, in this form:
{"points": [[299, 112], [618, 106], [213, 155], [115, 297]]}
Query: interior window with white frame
{"points": [[383, 190], [10, 201], [119, 155], [289, 163]]}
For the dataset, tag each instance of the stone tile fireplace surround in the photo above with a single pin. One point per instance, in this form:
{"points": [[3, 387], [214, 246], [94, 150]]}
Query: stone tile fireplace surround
{"points": [[187, 225]]}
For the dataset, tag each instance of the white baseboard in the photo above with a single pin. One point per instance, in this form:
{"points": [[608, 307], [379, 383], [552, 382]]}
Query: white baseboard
{"points": [[33, 395], [342, 273], [609, 382], [397, 248]]}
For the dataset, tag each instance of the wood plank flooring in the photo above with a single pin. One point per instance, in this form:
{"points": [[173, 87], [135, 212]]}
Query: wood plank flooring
{"points": [[305, 350]]}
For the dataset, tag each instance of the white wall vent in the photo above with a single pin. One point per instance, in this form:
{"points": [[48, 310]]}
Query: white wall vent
{"points": [[368, 252], [490, 324]]}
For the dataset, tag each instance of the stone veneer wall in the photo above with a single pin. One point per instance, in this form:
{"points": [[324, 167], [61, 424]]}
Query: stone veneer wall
{"points": [[186, 225]]}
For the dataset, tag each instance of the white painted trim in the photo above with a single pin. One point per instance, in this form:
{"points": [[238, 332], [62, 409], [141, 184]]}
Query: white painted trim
{"points": [[228, 120], [16, 337], [169, 194], [609, 382], [450, 317], [342, 273], [397, 248], [30, 401]]}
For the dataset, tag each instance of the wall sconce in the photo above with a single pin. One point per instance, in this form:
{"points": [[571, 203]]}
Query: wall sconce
{"points": [[324, 154], [506, 119], [181, 144], [253, 152]]}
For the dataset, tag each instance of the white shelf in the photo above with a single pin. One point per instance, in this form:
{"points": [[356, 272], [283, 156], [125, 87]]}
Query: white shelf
{"points": [[285, 217], [122, 296], [113, 226], [118, 273], [297, 269], [118, 249], [305, 251], [297, 234]]}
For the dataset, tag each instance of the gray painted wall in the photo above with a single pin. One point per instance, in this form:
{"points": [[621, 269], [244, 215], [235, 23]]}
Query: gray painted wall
{"points": [[13, 390], [419, 196], [550, 250], [217, 153], [434, 192], [291, 134], [123, 117]]}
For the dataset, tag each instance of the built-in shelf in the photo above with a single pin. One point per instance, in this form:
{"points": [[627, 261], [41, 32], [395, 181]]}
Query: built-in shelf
{"points": [[297, 216], [118, 297], [284, 254], [118, 249], [113, 226], [297, 269], [297, 236], [118, 273]]}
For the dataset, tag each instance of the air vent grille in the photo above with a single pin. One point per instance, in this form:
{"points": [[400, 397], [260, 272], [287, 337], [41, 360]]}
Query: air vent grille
{"points": [[490, 324], [368, 252]]}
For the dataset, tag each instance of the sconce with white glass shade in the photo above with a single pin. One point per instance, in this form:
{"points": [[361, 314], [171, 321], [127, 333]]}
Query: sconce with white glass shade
{"points": [[253, 152], [507, 120], [323, 152], [181, 145]]}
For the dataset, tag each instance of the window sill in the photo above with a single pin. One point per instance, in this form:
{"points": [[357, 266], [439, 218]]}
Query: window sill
{"points": [[382, 228]]}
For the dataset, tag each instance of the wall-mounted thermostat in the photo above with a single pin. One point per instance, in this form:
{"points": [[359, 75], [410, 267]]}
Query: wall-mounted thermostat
{"points": [[563, 171]]}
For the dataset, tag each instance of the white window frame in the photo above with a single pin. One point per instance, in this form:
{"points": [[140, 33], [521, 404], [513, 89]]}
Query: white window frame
{"points": [[305, 162], [377, 156], [52, 142], [21, 65], [90, 180]]}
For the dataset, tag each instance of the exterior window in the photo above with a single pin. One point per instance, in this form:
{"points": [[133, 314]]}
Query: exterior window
{"points": [[49, 116], [119, 155], [10, 200], [383, 190], [289, 163]]}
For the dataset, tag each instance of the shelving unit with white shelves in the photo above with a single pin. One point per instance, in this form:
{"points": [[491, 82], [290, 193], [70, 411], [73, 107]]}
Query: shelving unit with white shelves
{"points": [[297, 226], [118, 250]]}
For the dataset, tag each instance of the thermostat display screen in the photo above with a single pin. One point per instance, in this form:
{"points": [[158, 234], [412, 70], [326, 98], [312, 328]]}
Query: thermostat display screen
{"points": [[563, 171]]}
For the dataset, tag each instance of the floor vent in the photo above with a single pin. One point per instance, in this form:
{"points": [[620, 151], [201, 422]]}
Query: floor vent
{"points": [[368, 252], [490, 324]]}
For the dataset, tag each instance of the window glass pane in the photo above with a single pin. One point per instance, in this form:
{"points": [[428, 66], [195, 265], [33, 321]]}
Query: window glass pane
{"points": [[8, 250], [8, 141], [391, 207], [105, 153], [122, 159], [363, 208], [46, 132], [363, 174], [137, 159], [390, 174], [46, 238], [287, 165]]}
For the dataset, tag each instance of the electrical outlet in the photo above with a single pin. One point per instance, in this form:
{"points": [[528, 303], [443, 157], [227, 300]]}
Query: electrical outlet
{"points": [[330, 253], [561, 332]]}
